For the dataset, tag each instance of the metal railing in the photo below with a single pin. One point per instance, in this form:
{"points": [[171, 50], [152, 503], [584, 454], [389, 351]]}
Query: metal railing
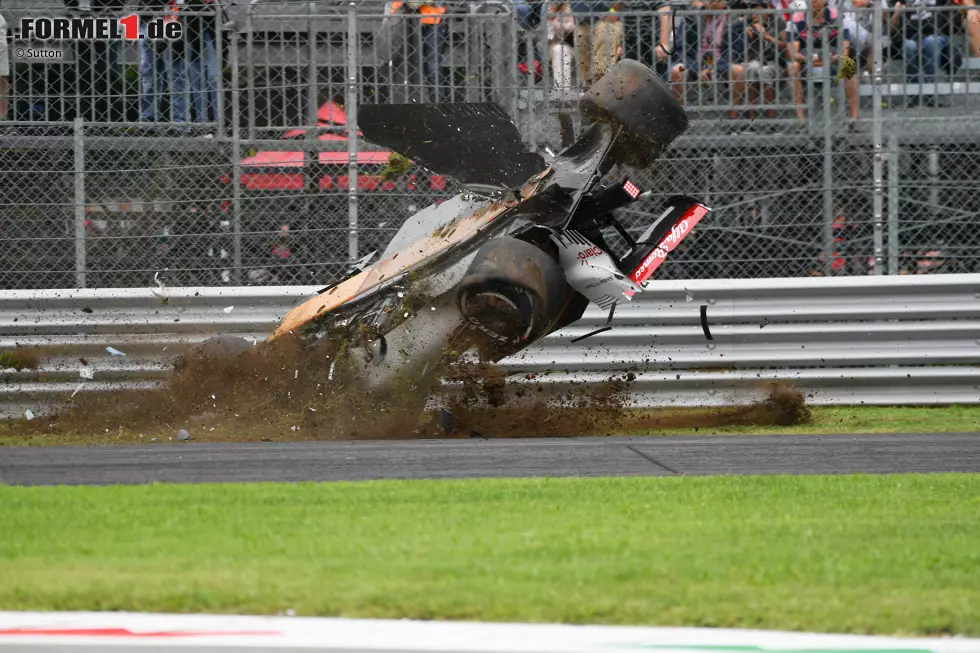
{"points": [[93, 196], [872, 340]]}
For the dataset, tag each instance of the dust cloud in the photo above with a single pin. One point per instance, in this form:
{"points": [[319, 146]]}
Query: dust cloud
{"points": [[290, 389]]}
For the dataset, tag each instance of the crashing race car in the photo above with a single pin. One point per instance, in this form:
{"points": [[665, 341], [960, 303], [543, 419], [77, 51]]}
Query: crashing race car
{"points": [[523, 251]]}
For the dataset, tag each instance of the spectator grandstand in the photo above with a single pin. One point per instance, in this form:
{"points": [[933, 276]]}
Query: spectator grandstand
{"points": [[226, 157]]}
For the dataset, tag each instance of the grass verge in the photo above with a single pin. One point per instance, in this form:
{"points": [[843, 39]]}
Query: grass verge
{"points": [[860, 419], [862, 554]]}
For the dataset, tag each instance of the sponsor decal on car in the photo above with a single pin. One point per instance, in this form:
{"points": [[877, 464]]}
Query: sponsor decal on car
{"points": [[586, 254], [678, 232]]}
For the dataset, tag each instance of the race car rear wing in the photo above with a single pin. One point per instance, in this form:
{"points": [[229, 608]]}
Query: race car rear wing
{"points": [[663, 237]]}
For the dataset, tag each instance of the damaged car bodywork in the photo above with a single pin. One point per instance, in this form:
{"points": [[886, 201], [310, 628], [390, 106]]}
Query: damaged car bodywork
{"points": [[525, 248]]}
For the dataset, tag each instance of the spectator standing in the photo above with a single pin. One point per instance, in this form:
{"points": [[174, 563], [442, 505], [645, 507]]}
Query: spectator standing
{"points": [[709, 53], [607, 41], [924, 28], [163, 66], [394, 35], [859, 25], [95, 83], [764, 54], [598, 38], [972, 26], [827, 24], [560, 23], [203, 20], [391, 41], [529, 17], [433, 31], [647, 34], [4, 70]]}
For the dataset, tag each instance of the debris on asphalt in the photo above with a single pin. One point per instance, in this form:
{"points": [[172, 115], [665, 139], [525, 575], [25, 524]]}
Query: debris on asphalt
{"points": [[228, 309], [86, 373], [29, 414], [114, 352]]}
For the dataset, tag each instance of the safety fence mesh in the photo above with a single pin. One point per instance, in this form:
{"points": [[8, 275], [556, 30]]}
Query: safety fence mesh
{"points": [[225, 157]]}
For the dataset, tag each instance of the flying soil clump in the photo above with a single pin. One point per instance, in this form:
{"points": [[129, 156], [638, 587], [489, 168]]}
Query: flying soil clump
{"points": [[19, 359], [602, 409], [291, 389], [286, 388]]}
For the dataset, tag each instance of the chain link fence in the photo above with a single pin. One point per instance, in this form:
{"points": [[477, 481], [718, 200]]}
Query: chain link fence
{"points": [[230, 156]]}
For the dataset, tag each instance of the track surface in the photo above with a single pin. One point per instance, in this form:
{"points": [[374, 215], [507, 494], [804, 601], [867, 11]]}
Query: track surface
{"points": [[614, 456]]}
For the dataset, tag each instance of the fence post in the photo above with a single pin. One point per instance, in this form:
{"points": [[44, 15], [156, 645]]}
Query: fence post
{"points": [[475, 75], [806, 71], [219, 96], [79, 141], [876, 126], [512, 38], [828, 158], [893, 234], [250, 69], [311, 157], [353, 44], [502, 79], [236, 162]]}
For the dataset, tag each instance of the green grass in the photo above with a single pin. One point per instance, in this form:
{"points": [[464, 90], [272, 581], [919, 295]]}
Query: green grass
{"points": [[826, 419], [863, 419], [867, 554]]}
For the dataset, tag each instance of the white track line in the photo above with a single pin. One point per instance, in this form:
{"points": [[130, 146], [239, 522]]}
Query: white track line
{"points": [[140, 633]]}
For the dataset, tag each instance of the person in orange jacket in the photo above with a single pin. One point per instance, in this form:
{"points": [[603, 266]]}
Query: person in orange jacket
{"points": [[430, 17]]}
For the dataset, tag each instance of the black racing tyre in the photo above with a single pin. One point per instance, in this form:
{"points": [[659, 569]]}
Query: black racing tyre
{"points": [[512, 291], [632, 96]]}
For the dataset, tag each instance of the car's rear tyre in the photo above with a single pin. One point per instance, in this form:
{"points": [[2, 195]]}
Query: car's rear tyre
{"points": [[511, 294], [634, 97], [501, 310]]}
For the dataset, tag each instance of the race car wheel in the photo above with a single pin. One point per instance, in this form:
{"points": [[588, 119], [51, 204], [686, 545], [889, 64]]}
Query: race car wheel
{"points": [[633, 97], [501, 311], [512, 292]]}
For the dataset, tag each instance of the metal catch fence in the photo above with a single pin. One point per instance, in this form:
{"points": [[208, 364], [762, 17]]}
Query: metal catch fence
{"points": [[230, 156]]}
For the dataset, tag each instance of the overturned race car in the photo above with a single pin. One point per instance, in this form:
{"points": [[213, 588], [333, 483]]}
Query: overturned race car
{"points": [[522, 252]]}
